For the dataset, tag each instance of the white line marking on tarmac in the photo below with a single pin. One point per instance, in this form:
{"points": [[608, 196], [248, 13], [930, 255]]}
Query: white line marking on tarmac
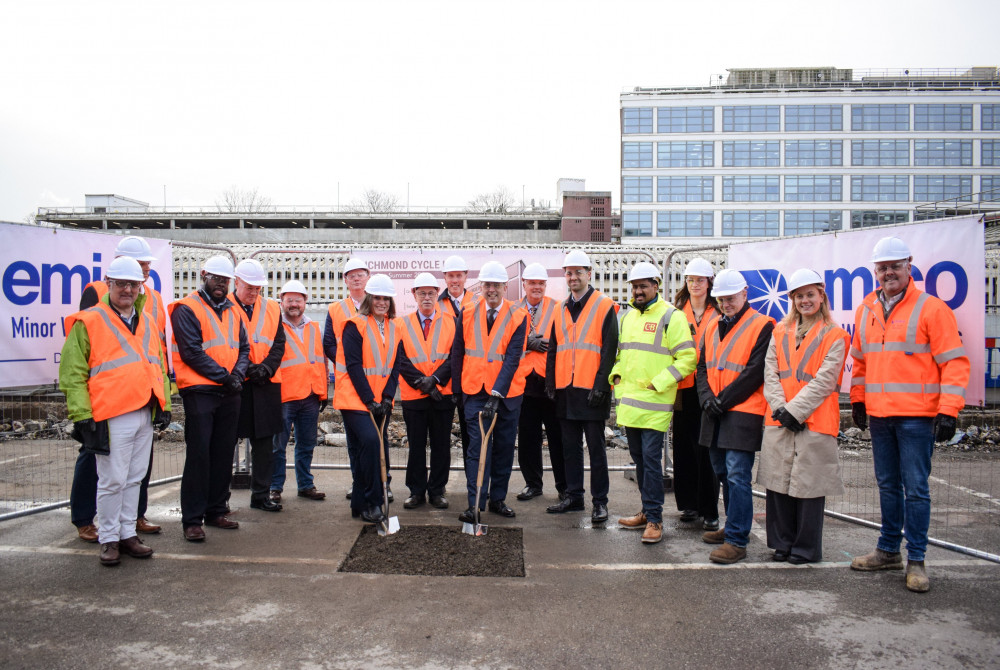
{"points": [[963, 489], [17, 458], [66, 551]]}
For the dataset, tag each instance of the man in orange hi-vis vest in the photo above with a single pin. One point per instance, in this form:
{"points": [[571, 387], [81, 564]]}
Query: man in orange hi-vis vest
{"points": [[452, 300], [909, 376]]}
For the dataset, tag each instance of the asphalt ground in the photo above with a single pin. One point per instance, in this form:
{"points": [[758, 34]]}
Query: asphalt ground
{"points": [[269, 595]]}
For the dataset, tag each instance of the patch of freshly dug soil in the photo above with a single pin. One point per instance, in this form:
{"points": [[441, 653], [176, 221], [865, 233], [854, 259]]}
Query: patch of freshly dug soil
{"points": [[439, 551]]}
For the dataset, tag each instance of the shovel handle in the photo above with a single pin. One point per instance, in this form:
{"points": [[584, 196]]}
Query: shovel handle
{"points": [[483, 448], [381, 459]]}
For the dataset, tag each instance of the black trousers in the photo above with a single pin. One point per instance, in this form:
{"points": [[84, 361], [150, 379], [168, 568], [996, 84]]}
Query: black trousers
{"points": [[538, 412], [463, 427], [419, 424], [362, 437], [795, 525], [573, 433], [261, 468], [210, 436], [696, 486]]}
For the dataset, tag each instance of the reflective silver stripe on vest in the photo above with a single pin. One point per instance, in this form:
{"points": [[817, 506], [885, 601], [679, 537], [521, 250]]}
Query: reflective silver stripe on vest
{"points": [[650, 406], [417, 337], [436, 327], [477, 333], [541, 325], [129, 354], [858, 381], [674, 373], [689, 344], [927, 389], [579, 329], [733, 338], [954, 390], [493, 353], [951, 355], [301, 356], [421, 356], [382, 366], [658, 345], [258, 331], [908, 346], [217, 324], [800, 372]]}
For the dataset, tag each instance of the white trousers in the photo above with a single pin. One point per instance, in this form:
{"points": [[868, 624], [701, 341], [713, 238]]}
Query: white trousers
{"points": [[120, 473]]}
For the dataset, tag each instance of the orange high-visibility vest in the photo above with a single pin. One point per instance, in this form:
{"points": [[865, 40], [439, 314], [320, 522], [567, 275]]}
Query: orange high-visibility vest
{"points": [[125, 369], [220, 340], [914, 365], [725, 360], [340, 312], [544, 315], [378, 357], [708, 317], [798, 367], [153, 306], [578, 344], [426, 354], [261, 329], [485, 353], [468, 299], [303, 367]]}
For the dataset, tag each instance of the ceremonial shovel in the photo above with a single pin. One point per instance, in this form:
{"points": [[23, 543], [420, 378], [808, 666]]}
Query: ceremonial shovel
{"points": [[480, 528], [389, 524]]}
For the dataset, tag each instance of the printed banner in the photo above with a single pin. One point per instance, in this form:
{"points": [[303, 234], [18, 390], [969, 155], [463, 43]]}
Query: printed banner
{"points": [[948, 261], [44, 273]]}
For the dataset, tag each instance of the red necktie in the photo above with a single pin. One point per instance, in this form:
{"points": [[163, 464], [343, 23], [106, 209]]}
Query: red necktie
{"points": [[427, 327]]}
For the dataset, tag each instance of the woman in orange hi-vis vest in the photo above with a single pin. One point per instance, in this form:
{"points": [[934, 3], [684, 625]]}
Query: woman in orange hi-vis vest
{"points": [[798, 459]]}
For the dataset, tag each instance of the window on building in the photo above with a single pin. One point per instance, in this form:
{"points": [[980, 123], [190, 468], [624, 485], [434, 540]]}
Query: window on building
{"points": [[942, 117], [990, 188], [805, 153], [684, 154], [880, 188], [637, 120], [802, 221], [751, 118], [991, 152], [762, 188], [751, 154], [685, 119], [806, 188], [942, 152], [744, 223], [638, 189], [991, 117], [880, 117], [597, 211], [637, 154], [880, 152], [637, 224], [684, 224], [684, 189], [820, 118], [867, 218], [931, 188]]}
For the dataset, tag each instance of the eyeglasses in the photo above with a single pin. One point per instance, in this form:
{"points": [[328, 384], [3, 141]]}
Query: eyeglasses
{"points": [[216, 278], [895, 267], [121, 283]]}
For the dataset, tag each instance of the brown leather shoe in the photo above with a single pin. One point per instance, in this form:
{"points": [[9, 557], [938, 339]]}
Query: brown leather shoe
{"points": [[109, 554], [878, 560], [916, 577], [194, 533], [728, 553], [312, 494], [142, 525], [636, 522], [87, 533], [223, 522], [653, 533], [714, 536], [134, 547]]}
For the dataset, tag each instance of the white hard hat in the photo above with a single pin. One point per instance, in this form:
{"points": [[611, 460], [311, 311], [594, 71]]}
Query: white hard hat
{"points": [[644, 270], [252, 272], [134, 247], [294, 286], [455, 264], [493, 271], [890, 249], [220, 266], [355, 264], [699, 267], [425, 279], [535, 271], [803, 277], [576, 258], [728, 282], [126, 268], [380, 284]]}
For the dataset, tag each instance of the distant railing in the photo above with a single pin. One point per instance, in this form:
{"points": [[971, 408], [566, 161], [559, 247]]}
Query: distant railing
{"points": [[320, 211]]}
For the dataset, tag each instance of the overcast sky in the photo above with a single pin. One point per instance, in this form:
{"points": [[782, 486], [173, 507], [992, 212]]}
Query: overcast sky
{"points": [[452, 98]]}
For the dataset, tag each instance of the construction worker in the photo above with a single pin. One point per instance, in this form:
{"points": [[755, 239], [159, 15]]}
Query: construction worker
{"points": [[260, 405], [910, 374], [428, 335], [372, 348], [540, 410], [485, 359], [696, 488], [655, 353], [113, 372], [583, 344], [730, 380], [211, 355], [798, 459], [83, 493], [453, 299], [303, 391]]}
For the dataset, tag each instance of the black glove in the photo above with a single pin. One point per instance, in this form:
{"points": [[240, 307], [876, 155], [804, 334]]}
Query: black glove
{"points": [[425, 384], [713, 408], [785, 418], [550, 392], [233, 384], [860, 415], [375, 408], [93, 438], [436, 395], [83, 430], [259, 374], [489, 410], [537, 343], [323, 404], [596, 398], [944, 427], [387, 407], [161, 421]]}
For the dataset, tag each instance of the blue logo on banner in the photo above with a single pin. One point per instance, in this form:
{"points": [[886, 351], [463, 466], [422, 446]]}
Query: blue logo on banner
{"points": [[767, 292]]}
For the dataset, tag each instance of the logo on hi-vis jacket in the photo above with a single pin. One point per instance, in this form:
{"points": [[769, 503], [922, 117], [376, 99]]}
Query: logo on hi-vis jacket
{"points": [[649, 327], [767, 292]]}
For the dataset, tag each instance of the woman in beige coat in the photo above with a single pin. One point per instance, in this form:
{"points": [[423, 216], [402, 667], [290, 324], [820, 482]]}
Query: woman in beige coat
{"points": [[798, 459]]}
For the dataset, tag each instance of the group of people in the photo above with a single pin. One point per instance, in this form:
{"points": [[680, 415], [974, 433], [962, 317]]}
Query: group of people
{"points": [[730, 380]]}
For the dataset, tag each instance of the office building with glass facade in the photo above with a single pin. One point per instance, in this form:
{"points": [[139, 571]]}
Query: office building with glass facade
{"points": [[792, 151]]}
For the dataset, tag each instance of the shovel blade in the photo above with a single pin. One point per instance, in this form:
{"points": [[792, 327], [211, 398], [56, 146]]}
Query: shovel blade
{"points": [[388, 526], [475, 528]]}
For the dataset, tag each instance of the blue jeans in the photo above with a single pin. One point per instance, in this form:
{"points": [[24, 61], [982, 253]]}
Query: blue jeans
{"points": [[303, 414], [901, 448], [734, 467], [646, 448], [499, 453]]}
